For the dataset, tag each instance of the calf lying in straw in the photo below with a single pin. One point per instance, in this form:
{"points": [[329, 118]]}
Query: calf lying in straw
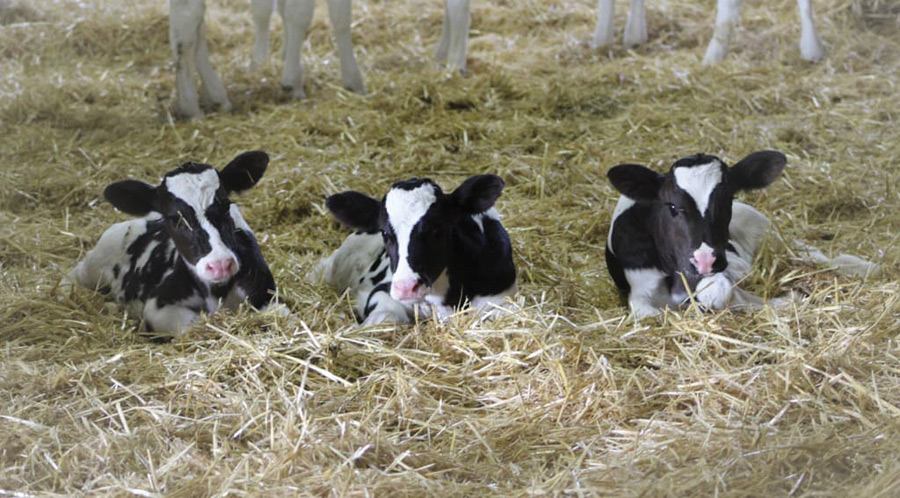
{"points": [[190, 252], [420, 246], [682, 233]]}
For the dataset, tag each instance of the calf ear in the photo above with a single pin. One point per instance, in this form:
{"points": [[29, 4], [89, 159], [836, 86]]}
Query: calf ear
{"points": [[757, 170], [356, 210], [479, 193], [244, 171], [635, 181], [132, 197]]}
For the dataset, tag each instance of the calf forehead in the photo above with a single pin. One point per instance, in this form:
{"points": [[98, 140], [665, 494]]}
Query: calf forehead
{"points": [[405, 207], [197, 189], [699, 181]]}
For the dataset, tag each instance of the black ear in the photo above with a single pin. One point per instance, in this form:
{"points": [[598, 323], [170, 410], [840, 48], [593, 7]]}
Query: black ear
{"points": [[244, 171], [479, 193], [132, 197], [635, 181], [356, 210], [757, 170]]}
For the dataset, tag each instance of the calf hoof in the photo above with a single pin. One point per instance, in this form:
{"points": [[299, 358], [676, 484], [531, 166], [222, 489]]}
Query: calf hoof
{"points": [[295, 93], [187, 113], [356, 86], [714, 292]]}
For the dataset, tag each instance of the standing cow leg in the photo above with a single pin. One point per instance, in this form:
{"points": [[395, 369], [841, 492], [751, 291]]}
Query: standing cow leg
{"points": [[452, 49], [298, 15], [261, 11], [811, 47], [636, 26], [185, 21], [339, 11], [213, 88], [603, 34], [727, 13]]}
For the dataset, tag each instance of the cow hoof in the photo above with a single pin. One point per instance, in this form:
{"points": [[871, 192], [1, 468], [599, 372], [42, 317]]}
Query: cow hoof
{"points": [[714, 292], [295, 93]]}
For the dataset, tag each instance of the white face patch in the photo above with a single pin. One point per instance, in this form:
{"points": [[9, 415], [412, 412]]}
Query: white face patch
{"points": [[405, 208], [198, 190], [699, 182]]}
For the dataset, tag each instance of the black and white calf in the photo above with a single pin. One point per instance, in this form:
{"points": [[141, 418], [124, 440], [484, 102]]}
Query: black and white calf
{"points": [[191, 251], [419, 246], [684, 226]]}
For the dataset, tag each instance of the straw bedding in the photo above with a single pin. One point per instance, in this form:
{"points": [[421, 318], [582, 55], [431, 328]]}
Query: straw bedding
{"points": [[567, 396]]}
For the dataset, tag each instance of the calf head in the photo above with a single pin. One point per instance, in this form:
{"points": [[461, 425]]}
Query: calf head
{"points": [[691, 205], [417, 221], [196, 211]]}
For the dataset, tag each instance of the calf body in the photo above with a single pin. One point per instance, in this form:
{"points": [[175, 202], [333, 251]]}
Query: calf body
{"points": [[421, 247], [682, 231], [191, 251], [727, 13]]}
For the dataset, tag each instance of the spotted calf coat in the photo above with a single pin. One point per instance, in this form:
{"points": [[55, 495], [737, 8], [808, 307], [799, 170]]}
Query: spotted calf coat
{"points": [[190, 252], [422, 249]]}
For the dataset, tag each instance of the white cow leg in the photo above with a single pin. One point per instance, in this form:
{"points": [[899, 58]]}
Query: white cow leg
{"points": [[636, 27], [212, 85], [185, 21], [603, 34], [298, 15], [645, 296], [261, 11], [715, 291], [340, 13], [811, 47], [727, 13], [170, 318], [452, 49]]}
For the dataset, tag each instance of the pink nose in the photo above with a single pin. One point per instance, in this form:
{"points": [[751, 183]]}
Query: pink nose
{"points": [[408, 290], [220, 269], [703, 261]]}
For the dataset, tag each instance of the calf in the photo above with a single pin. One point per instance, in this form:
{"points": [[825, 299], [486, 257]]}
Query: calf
{"points": [[727, 13], [191, 251], [419, 246], [188, 39], [685, 228]]}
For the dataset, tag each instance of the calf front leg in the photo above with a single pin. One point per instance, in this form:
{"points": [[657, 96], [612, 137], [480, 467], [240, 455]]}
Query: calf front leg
{"points": [[340, 13], [645, 297], [715, 291], [298, 15], [168, 318]]}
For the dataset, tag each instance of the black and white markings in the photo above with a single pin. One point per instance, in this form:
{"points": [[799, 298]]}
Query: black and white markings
{"points": [[684, 226], [421, 247], [190, 252]]}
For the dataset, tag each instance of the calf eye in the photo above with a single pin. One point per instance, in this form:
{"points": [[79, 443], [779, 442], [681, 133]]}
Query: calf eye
{"points": [[673, 209]]}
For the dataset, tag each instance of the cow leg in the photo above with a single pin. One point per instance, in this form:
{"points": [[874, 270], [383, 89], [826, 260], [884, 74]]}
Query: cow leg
{"points": [[298, 15], [168, 318], [645, 297], [382, 308], [603, 34], [811, 47], [213, 88], [715, 291], [185, 21], [452, 49], [339, 11], [636, 26], [261, 11], [727, 13]]}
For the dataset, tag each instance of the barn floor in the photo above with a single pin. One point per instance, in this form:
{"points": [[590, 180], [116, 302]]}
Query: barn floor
{"points": [[568, 396]]}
